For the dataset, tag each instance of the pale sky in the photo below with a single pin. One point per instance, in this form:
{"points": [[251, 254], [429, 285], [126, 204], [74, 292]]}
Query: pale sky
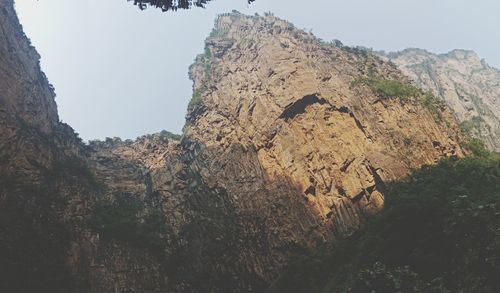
{"points": [[119, 71]]}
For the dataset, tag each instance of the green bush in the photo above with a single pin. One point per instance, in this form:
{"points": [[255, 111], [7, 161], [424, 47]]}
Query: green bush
{"points": [[468, 127], [387, 88], [169, 135], [391, 88], [116, 220], [218, 33], [434, 104], [196, 99], [476, 147], [73, 169], [207, 65], [358, 50], [379, 278]]}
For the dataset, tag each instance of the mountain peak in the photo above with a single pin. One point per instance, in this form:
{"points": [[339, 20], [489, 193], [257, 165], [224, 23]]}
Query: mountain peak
{"points": [[462, 54]]}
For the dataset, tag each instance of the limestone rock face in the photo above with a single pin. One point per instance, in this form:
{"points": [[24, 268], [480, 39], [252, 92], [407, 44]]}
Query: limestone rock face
{"points": [[24, 89], [26, 98], [274, 91], [470, 87], [283, 150], [38, 203], [283, 128]]}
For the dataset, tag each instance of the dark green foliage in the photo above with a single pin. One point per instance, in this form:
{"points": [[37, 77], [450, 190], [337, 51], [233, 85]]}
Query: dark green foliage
{"points": [[379, 278], [163, 136], [33, 240], [439, 232], [337, 43], [217, 33], [35, 230], [166, 5], [206, 62], [358, 50], [73, 170], [387, 88], [476, 147], [474, 124], [207, 66], [195, 99], [391, 88], [126, 219], [434, 104], [208, 54], [118, 219], [169, 135]]}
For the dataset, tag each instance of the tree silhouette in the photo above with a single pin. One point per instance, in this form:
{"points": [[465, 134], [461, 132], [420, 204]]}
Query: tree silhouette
{"points": [[166, 5]]}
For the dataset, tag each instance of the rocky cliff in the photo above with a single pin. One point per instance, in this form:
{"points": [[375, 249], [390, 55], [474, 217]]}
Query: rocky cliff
{"points": [[288, 145], [470, 87], [39, 186]]}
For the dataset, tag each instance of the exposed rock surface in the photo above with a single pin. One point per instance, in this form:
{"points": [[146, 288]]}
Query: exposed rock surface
{"points": [[470, 87], [282, 151], [279, 109], [39, 201], [27, 99]]}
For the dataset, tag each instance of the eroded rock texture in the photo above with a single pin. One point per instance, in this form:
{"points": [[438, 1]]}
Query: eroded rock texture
{"points": [[274, 96], [470, 87], [282, 151], [38, 199]]}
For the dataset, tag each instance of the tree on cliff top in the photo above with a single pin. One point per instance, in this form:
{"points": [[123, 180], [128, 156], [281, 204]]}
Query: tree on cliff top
{"points": [[166, 5]]}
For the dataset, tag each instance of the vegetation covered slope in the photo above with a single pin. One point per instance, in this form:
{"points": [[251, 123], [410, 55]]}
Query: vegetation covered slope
{"points": [[439, 232]]}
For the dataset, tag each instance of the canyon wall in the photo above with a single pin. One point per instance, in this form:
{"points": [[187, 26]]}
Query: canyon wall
{"points": [[285, 148]]}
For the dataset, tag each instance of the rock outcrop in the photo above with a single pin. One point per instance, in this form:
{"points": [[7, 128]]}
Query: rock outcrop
{"points": [[40, 193], [284, 149], [278, 108], [470, 87]]}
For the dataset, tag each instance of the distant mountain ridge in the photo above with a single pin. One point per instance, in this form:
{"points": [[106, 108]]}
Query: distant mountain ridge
{"points": [[470, 87]]}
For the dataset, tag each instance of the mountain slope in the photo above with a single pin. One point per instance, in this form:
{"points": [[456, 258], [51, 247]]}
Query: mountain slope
{"points": [[470, 87]]}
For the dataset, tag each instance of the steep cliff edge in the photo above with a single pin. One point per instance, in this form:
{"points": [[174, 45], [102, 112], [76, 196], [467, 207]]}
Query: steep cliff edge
{"points": [[288, 146], [470, 87], [27, 99], [41, 179]]}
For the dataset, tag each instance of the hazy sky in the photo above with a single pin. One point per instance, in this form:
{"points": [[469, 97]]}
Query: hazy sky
{"points": [[119, 71]]}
